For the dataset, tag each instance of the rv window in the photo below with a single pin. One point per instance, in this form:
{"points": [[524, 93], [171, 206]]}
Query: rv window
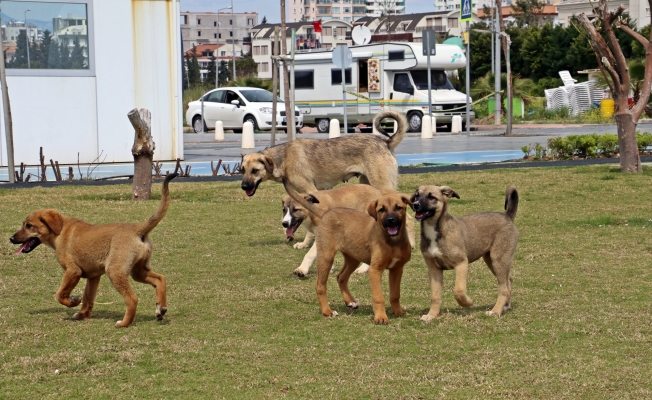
{"points": [[402, 83], [304, 79], [336, 76], [438, 80], [396, 55]]}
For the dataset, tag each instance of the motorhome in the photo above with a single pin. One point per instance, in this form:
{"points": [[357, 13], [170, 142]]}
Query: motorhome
{"points": [[384, 75]]}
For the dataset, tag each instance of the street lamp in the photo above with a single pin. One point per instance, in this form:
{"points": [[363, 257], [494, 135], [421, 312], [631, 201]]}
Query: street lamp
{"points": [[508, 132], [29, 66], [233, 39], [217, 61]]}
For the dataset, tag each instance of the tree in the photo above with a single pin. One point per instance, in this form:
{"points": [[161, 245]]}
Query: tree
{"points": [[224, 73], [246, 67], [286, 84], [192, 65], [528, 12], [66, 62], [77, 59], [20, 57], [613, 64], [264, 21], [210, 74]]}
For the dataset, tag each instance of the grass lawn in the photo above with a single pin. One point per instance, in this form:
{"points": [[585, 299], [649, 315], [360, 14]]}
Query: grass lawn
{"points": [[240, 325]]}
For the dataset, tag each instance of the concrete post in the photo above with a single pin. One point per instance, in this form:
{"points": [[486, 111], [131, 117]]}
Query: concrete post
{"points": [[219, 131], [456, 126], [248, 136], [426, 127], [334, 129]]}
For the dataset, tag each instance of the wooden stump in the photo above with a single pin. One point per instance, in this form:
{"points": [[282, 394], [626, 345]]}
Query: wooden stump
{"points": [[143, 151]]}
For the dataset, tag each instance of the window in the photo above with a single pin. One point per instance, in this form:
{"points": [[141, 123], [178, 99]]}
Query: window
{"points": [[231, 33], [198, 21], [214, 97], [438, 79], [328, 31], [341, 31], [250, 21], [396, 55], [336, 76], [214, 23], [63, 27], [263, 67], [304, 79], [219, 35], [184, 20], [222, 53], [215, 36], [256, 51], [230, 22], [402, 83], [264, 51], [336, 10], [453, 22], [198, 33]]}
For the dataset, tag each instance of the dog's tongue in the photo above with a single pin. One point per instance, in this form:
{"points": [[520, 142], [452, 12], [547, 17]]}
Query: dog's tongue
{"points": [[289, 232], [250, 192], [22, 247], [419, 215], [392, 230]]}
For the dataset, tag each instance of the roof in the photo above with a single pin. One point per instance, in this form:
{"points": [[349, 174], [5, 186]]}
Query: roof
{"points": [[508, 11], [414, 19]]}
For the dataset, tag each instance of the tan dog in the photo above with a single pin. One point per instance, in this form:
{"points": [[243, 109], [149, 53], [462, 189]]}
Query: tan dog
{"points": [[453, 243], [378, 238], [312, 164], [89, 251], [354, 196]]}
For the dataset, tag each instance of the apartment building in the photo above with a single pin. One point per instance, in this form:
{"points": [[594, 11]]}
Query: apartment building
{"points": [[344, 10], [199, 28]]}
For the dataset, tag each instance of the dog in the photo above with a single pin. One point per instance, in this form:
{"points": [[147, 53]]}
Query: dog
{"points": [[314, 164], [378, 237], [452, 243], [88, 251], [356, 196]]}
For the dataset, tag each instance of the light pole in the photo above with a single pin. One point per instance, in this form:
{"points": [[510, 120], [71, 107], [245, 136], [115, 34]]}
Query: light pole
{"points": [[233, 39], [29, 66], [217, 61]]}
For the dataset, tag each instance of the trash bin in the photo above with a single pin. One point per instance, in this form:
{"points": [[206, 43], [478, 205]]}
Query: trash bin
{"points": [[607, 108]]}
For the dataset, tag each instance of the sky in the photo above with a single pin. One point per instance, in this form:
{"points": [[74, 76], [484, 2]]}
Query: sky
{"points": [[272, 8]]}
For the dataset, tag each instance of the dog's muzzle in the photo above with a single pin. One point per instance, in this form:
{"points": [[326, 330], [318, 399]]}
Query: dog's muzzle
{"points": [[249, 187], [27, 246], [420, 213], [392, 225]]}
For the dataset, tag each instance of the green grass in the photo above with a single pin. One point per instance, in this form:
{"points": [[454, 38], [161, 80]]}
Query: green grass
{"points": [[240, 325]]}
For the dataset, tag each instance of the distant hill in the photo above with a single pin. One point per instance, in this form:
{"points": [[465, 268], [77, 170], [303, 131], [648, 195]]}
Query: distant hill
{"points": [[43, 25]]}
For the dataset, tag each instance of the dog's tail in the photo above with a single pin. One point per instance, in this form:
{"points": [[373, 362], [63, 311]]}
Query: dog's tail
{"points": [[401, 127], [146, 227], [511, 202], [301, 200]]}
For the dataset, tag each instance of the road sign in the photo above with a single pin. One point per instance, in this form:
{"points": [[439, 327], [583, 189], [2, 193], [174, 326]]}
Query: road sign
{"points": [[342, 56], [467, 10], [428, 42]]}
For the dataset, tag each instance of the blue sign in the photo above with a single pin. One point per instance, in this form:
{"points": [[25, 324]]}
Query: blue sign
{"points": [[466, 13]]}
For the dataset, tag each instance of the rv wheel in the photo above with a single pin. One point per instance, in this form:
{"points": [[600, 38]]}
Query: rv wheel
{"points": [[414, 122], [323, 125]]}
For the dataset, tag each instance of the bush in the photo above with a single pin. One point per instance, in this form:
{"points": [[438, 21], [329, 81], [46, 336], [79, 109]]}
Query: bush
{"points": [[561, 148], [607, 144], [643, 140]]}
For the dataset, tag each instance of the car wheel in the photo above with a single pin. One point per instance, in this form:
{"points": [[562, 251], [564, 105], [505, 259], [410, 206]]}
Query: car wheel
{"points": [[197, 124], [414, 122], [323, 125], [252, 119]]}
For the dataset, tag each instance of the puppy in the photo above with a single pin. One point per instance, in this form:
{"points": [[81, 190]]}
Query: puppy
{"points": [[453, 243], [302, 162], [89, 251], [354, 196], [378, 238]]}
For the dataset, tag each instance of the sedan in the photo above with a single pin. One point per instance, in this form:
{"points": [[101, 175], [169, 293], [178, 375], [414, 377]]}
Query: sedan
{"points": [[236, 105]]}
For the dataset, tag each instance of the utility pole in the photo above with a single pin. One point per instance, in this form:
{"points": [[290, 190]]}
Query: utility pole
{"points": [[9, 131], [498, 105]]}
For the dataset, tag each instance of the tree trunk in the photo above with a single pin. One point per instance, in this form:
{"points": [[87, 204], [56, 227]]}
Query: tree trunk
{"points": [[629, 157], [143, 151], [285, 71]]}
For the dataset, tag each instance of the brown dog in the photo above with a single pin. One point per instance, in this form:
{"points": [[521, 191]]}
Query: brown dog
{"points": [[453, 243], [378, 238], [88, 251], [355, 196], [312, 164]]}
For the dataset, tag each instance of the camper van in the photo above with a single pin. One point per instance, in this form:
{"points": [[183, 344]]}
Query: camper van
{"points": [[381, 76]]}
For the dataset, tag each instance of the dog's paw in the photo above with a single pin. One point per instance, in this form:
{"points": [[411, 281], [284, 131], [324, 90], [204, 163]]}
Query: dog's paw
{"points": [[301, 273], [362, 269], [353, 305], [160, 312], [74, 301], [330, 314], [492, 314], [427, 318], [300, 246], [381, 320], [78, 316], [121, 324]]}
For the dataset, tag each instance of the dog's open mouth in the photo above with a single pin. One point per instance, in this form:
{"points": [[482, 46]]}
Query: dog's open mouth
{"points": [[29, 245], [251, 191], [392, 230], [290, 230], [420, 216]]}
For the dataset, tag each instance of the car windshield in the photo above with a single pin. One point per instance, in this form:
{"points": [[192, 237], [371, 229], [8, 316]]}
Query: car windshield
{"points": [[438, 80], [258, 96]]}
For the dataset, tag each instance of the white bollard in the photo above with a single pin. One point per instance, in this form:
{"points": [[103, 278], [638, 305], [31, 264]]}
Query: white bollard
{"points": [[219, 130], [248, 136], [456, 125], [334, 129], [426, 128], [433, 122]]}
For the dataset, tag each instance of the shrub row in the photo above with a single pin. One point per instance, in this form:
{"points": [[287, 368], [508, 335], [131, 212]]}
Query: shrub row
{"points": [[583, 146]]}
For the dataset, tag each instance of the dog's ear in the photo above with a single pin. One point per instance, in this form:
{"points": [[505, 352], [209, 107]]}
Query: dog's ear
{"points": [[268, 162], [448, 192], [408, 202], [311, 199], [414, 197], [371, 210], [53, 220]]}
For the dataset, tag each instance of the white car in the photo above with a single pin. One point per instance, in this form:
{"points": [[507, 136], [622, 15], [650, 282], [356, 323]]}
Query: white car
{"points": [[236, 105]]}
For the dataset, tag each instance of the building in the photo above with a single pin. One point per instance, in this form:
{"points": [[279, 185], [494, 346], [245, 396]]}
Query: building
{"points": [[12, 29], [638, 10], [70, 30], [344, 10], [333, 33], [206, 52], [548, 13], [410, 27], [199, 28]]}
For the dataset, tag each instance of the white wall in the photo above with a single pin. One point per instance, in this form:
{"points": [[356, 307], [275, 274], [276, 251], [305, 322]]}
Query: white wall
{"points": [[137, 57]]}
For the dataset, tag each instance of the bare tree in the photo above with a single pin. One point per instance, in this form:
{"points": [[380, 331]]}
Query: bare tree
{"points": [[285, 72], [612, 63], [143, 152], [386, 9]]}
